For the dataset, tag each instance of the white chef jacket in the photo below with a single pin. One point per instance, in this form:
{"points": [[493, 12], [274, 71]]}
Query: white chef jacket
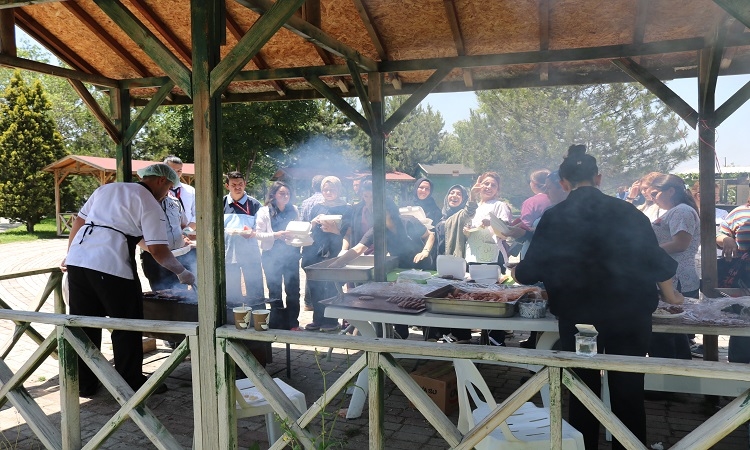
{"points": [[186, 194], [129, 208]]}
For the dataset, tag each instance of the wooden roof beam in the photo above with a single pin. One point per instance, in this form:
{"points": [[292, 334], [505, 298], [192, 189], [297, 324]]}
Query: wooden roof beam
{"points": [[458, 38], [315, 35], [377, 40], [364, 98], [251, 43], [96, 110], [51, 43], [150, 44], [311, 14], [8, 32], [659, 89], [708, 69], [55, 71], [340, 103], [236, 31], [415, 98], [163, 30], [544, 37], [735, 29], [108, 40], [732, 104], [147, 112], [739, 9], [566, 55]]}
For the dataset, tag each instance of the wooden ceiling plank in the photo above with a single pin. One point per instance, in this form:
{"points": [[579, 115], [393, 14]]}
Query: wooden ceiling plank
{"points": [[415, 99], [339, 102], [458, 38], [104, 36], [164, 30], [51, 43], [96, 110], [147, 112], [375, 37], [150, 44], [315, 35], [311, 12], [236, 31], [361, 90], [251, 43], [659, 89], [739, 9], [732, 104], [566, 55], [8, 32]]}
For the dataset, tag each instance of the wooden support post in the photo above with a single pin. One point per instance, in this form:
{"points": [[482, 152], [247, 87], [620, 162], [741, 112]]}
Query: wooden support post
{"points": [[120, 106], [70, 416], [376, 402], [207, 20], [708, 73], [8, 32], [377, 139]]}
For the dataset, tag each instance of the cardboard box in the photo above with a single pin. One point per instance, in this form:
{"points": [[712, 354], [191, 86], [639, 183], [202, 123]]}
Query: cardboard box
{"points": [[149, 345], [438, 380]]}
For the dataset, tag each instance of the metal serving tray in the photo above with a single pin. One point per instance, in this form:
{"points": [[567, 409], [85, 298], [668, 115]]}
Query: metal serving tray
{"points": [[360, 269], [437, 304]]}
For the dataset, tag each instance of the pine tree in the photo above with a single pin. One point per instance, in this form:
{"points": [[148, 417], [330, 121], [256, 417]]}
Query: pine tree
{"points": [[29, 141]]}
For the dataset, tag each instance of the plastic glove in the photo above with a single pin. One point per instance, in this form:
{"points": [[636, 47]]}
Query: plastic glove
{"points": [[186, 277]]}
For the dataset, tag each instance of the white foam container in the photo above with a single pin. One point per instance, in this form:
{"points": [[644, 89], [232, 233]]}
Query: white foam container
{"points": [[484, 272], [454, 266], [299, 227]]}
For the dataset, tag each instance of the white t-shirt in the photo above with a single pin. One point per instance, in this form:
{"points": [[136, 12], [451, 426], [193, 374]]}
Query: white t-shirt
{"points": [[681, 218], [129, 208], [187, 198], [483, 245]]}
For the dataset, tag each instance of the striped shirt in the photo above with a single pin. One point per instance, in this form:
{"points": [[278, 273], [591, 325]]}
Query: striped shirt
{"points": [[737, 226]]}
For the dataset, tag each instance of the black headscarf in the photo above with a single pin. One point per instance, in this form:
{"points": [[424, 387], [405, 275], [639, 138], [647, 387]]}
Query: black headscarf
{"points": [[447, 209], [429, 206]]}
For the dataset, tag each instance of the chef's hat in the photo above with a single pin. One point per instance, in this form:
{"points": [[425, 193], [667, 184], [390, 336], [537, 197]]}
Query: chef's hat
{"points": [[159, 170]]}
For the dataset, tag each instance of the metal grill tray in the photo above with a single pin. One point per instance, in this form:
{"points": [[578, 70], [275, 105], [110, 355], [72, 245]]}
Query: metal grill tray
{"points": [[435, 303], [378, 303], [358, 270]]}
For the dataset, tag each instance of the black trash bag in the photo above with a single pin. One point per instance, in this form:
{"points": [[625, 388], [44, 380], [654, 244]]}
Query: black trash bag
{"points": [[279, 318]]}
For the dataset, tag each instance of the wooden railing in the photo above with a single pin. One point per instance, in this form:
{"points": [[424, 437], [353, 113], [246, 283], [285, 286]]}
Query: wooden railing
{"points": [[377, 359]]}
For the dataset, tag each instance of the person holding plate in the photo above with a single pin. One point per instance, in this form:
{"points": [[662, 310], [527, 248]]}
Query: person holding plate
{"points": [[241, 250], [280, 260]]}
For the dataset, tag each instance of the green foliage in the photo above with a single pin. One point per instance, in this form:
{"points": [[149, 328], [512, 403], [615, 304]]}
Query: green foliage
{"points": [[417, 139], [46, 229], [28, 142], [257, 138], [515, 132]]}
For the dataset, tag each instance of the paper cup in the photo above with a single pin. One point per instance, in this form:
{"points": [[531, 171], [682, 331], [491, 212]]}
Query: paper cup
{"points": [[241, 317], [260, 319]]}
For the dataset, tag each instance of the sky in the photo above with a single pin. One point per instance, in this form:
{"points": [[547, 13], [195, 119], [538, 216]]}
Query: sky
{"points": [[730, 137]]}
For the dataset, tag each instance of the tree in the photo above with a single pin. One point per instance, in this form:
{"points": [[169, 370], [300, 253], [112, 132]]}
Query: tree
{"points": [[515, 132], [417, 139], [257, 138], [28, 142]]}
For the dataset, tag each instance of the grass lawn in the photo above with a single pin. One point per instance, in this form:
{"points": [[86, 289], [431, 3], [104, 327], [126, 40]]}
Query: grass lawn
{"points": [[44, 230]]}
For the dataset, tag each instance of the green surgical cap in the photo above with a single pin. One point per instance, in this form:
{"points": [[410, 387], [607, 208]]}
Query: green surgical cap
{"points": [[159, 170]]}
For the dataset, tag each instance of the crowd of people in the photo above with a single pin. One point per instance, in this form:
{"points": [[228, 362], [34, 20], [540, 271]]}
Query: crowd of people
{"points": [[635, 248]]}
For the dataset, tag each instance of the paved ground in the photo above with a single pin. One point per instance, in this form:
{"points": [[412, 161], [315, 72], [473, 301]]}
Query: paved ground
{"points": [[669, 419]]}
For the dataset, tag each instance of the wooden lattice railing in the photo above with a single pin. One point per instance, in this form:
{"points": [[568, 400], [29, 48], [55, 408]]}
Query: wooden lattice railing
{"points": [[377, 359]]}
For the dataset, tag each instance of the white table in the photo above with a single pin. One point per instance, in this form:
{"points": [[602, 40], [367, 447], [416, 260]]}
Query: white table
{"points": [[363, 320]]}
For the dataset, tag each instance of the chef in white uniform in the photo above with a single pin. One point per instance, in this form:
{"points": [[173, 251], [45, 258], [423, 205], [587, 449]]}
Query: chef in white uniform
{"points": [[183, 192], [102, 275]]}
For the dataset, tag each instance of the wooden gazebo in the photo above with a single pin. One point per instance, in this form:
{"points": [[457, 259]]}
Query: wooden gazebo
{"points": [[104, 170], [204, 52]]}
